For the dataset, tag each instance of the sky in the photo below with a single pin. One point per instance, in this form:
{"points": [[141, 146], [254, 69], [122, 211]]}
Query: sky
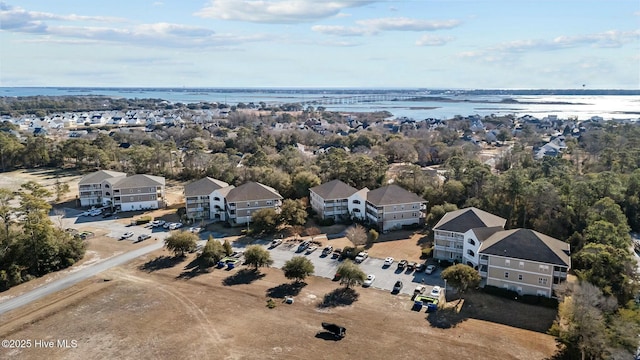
{"points": [[459, 44]]}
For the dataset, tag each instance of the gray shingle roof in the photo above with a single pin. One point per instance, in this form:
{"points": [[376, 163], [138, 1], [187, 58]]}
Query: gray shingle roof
{"points": [[529, 245], [484, 233], [99, 176], [252, 191], [333, 190], [463, 220], [135, 181], [392, 195], [204, 186]]}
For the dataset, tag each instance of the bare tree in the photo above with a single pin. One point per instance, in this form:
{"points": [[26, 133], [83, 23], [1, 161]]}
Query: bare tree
{"points": [[357, 234]]}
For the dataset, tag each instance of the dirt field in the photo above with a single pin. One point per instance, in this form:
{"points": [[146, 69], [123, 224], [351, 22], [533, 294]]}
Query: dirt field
{"points": [[167, 312]]}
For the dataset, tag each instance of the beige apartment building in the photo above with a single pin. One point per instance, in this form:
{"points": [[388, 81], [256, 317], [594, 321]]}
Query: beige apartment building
{"points": [[242, 201], [392, 207]]}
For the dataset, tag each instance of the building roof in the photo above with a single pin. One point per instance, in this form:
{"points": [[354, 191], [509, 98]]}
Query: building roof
{"points": [[204, 186], [135, 181], [99, 176], [463, 220], [252, 191], [334, 189], [392, 195], [529, 245], [483, 233]]}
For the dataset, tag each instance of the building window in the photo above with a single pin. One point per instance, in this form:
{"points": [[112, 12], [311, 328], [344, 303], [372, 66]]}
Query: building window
{"points": [[507, 262], [521, 264], [542, 281], [216, 198], [544, 268], [506, 274], [471, 241], [520, 277], [131, 198], [356, 201], [256, 203], [470, 252], [269, 202]]}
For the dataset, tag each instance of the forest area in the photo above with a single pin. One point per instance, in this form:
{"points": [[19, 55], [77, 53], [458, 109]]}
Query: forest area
{"points": [[589, 196]]}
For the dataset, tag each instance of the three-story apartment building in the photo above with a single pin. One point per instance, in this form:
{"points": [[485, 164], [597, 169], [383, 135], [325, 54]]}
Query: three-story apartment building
{"points": [[524, 261], [458, 235], [91, 187], [242, 201], [392, 207], [135, 192], [203, 199], [337, 200]]}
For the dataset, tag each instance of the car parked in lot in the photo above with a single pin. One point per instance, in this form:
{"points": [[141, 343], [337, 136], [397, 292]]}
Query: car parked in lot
{"points": [[361, 256], [195, 230], [369, 280], [144, 237], [311, 249], [435, 292], [336, 253], [421, 267], [327, 250], [126, 235], [430, 269], [303, 246], [275, 243], [420, 289], [388, 261], [174, 226], [397, 286], [402, 264], [412, 266]]}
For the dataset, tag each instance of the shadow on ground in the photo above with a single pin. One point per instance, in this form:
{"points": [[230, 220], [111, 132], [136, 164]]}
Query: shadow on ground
{"points": [[283, 290], [196, 267], [325, 335], [244, 276], [481, 306], [446, 318], [161, 262], [339, 297]]}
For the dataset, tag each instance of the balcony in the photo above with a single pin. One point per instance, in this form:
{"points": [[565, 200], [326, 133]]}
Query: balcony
{"points": [[448, 248], [484, 260], [560, 274]]}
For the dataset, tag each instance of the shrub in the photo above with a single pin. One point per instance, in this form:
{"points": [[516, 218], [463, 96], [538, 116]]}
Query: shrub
{"points": [[271, 303], [427, 252]]}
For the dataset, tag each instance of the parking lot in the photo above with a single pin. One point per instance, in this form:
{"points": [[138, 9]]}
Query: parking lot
{"points": [[325, 266]]}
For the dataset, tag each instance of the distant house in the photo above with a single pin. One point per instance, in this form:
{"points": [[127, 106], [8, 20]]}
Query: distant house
{"points": [[337, 200], [204, 200], [392, 207], [244, 200], [458, 235], [524, 261]]}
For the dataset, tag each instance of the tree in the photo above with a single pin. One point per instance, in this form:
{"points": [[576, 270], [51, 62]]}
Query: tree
{"points": [[180, 242], [60, 189], [293, 212], [302, 182], [357, 234], [298, 268], [350, 274], [226, 245], [461, 277], [213, 251], [264, 221], [372, 237], [257, 256]]}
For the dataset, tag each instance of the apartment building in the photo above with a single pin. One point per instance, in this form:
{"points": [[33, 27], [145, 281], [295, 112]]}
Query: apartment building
{"points": [[204, 200], [240, 202], [338, 201], [392, 207]]}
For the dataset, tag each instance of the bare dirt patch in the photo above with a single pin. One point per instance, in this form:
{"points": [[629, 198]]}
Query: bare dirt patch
{"points": [[157, 314]]}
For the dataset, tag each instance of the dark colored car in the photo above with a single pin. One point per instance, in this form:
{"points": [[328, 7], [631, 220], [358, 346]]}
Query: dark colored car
{"points": [[402, 264], [397, 286]]}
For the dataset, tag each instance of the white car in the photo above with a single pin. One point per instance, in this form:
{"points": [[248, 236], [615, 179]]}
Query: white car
{"points": [[435, 292], [311, 249], [127, 235], [369, 280], [361, 256], [388, 261], [430, 269], [195, 230], [174, 226]]}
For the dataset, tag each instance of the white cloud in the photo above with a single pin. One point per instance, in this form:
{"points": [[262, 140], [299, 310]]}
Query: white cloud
{"points": [[341, 30], [277, 11], [18, 19], [431, 40], [509, 50], [155, 34], [407, 24], [375, 26]]}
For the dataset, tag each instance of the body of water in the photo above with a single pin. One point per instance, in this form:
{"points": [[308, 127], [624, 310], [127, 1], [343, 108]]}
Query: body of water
{"points": [[431, 106]]}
